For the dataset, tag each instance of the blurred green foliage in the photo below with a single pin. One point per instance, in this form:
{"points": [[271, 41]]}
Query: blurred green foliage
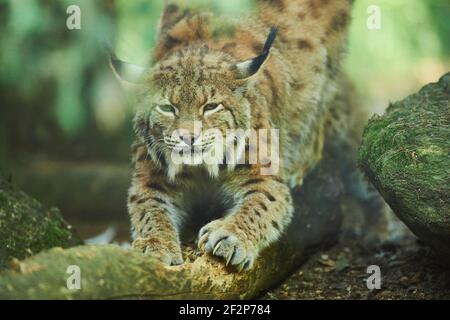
{"points": [[36, 47], [58, 97], [48, 75], [412, 32]]}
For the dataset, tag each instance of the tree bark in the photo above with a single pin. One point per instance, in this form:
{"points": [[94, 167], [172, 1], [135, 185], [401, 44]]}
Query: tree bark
{"points": [[109, 272], [405, 153]]}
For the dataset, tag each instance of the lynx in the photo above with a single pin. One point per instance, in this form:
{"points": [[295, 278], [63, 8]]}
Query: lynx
{"points": [[277, 69]]}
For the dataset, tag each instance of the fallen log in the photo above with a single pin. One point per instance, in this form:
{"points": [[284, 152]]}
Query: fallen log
{"points": [[405, 154], [110, 272], [27, 227]]}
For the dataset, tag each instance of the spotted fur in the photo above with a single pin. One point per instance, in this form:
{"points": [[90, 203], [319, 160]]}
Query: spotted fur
{"points": [[297, 88]]}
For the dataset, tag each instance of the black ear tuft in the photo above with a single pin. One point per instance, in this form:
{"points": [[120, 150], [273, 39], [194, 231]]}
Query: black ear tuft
{"points": [[270, 39], [250, 67], [259, 60]]}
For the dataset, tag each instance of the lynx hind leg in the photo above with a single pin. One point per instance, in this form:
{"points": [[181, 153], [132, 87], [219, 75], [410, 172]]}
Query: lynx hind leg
{"points": [[369, 220], [366, 218], [364, 192]]}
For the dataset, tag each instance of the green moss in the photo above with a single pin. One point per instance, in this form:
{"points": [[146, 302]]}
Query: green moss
{"points": [[27, 227], [405, 153], [3, 198]]}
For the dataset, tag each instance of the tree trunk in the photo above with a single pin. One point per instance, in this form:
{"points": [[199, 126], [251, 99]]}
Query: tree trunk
{"points": [[405, 153], [109, 272]]}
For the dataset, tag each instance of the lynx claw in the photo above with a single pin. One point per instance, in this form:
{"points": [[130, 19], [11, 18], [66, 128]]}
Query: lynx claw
{"points": [[220, 241], [204, 233], [217, 246], [202, 241]]}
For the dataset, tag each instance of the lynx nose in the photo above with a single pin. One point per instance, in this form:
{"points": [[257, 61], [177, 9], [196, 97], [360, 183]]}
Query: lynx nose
{"points": [[187, 137]]}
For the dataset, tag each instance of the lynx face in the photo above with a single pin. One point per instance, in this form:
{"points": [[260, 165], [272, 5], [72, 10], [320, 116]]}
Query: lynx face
{"points": [[193, 101], [189, 104]]}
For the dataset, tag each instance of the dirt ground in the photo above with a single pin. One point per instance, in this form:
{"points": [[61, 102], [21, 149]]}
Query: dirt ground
{"points": [[409, 270]]}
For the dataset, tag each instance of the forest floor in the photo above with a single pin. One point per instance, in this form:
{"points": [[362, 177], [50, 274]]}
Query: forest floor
{"points": [[409, 269]]}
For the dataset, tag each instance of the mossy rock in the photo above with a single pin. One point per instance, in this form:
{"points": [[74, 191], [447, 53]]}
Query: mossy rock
{"points": [[405, 153], [27, 227]]}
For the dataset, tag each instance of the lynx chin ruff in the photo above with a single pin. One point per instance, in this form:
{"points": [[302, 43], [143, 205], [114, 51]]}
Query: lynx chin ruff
{"points": [[278, 69]]}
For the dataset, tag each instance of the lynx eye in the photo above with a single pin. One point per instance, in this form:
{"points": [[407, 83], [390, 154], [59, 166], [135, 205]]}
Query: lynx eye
{"points": [[211, 108], [166, 108]]}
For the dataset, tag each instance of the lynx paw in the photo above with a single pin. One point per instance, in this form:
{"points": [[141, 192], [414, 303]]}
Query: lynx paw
{"points": [[226, 241], [167, 252]]}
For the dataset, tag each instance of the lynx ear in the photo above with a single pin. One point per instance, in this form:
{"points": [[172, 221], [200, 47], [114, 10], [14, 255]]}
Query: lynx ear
{"points": [[125, 71], [250, 67]]}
